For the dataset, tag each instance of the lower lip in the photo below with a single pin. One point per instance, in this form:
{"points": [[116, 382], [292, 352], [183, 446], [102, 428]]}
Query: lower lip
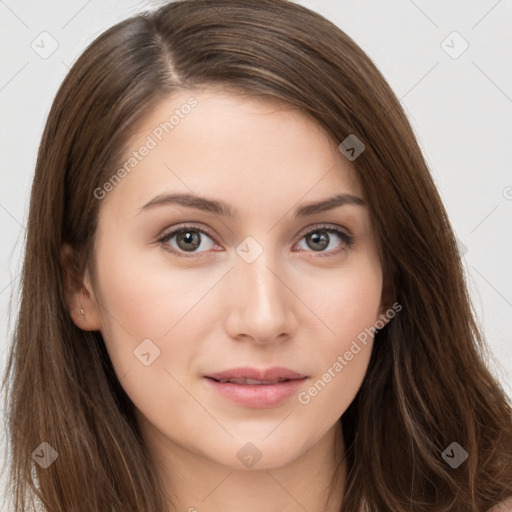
{"points": [[257, 396]]}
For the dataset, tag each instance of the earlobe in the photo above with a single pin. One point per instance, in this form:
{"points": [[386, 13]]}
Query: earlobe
{"points": [[78, 293]]}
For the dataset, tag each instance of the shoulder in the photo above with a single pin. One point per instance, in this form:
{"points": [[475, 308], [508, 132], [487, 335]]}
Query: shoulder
{"points": [[504, 506]]}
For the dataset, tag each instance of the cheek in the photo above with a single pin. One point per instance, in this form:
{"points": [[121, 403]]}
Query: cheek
{"points": [[147, 314], [331, 391], [147, 300], [348, 301], [342, 359], [154, 320], [350, 308]]}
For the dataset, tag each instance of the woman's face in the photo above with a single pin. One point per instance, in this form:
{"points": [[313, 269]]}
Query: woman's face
{"points": [[259, 279]]}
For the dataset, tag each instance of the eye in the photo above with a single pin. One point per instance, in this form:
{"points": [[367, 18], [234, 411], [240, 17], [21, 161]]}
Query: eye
{"points": [[326, 239], [187, 239], [192, 239]]}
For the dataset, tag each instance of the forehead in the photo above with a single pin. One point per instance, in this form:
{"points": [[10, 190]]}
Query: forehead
{"points": [[231, 145]]}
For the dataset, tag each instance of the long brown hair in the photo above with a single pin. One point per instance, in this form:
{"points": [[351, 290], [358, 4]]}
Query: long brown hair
{"points": [[427, 384]]}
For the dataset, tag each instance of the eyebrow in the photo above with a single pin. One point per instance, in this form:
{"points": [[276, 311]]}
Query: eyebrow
{"points": [[223, 209]]}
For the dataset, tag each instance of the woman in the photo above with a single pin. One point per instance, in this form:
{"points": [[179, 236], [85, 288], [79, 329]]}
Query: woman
{"points": [[241, 288]]}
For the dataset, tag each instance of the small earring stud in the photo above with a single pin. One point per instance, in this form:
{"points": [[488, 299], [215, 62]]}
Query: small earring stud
{"points": [[82, 311]]}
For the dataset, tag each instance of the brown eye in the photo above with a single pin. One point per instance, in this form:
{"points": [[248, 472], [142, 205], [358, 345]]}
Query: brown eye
{"points": [[317, 240], [326, 239], [188, 239]]}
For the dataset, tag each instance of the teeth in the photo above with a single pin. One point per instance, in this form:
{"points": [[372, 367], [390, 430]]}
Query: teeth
{"points": [[251, 381]]}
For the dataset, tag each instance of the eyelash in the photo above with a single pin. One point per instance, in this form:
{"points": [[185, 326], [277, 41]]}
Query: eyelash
{"points": [[347, 240]]}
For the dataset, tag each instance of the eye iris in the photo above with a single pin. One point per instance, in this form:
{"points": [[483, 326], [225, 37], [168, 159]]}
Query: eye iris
{"points": [[319, 240], [188, 237]]}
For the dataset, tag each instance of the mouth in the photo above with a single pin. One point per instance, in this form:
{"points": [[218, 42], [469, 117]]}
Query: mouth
{"points": [[252, 382], [255, 388], [247, 374]]}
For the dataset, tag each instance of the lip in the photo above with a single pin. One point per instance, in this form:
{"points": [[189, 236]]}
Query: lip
{"points": [[276, 372], [258, 396]]}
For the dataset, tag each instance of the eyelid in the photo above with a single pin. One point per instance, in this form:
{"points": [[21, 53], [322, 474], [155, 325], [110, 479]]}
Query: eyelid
{"points": [[188, 225], [326, 226]]}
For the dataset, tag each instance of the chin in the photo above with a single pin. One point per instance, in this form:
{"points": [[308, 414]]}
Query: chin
{"points": [[261, 453]]}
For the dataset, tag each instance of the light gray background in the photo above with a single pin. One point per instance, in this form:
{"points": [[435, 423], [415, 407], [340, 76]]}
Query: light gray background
{"points": [[460, 109]]}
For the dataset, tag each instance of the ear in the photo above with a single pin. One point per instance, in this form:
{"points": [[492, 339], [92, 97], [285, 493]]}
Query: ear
{"points": [[79, 293]]}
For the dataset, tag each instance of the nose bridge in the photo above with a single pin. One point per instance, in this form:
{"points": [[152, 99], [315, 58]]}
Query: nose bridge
{"points": [[261, 306]]}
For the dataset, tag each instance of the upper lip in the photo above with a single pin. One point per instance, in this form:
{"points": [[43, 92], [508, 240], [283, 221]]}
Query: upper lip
{"points": [[276, 373]]}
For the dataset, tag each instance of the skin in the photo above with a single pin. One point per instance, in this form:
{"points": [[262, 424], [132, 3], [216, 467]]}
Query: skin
{"points": [[293, 306]]}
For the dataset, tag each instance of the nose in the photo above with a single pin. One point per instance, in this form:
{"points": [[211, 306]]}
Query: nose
{"points": [[260, 305]]}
